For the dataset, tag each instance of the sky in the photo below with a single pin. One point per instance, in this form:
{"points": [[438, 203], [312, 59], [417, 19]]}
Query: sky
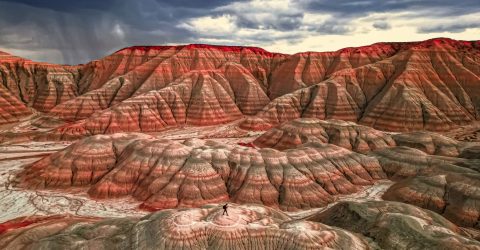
{"points": [[74, 32]]}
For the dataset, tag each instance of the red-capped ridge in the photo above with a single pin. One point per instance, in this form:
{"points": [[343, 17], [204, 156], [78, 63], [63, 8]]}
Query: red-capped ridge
{"points": [[224, 48]]}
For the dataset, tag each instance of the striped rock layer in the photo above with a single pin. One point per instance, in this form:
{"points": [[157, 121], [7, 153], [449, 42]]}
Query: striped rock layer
{"points": [[453, 195], [436, 173], [347, 135], [168, 174], [11, 109], [41, 86], [430, 85]]}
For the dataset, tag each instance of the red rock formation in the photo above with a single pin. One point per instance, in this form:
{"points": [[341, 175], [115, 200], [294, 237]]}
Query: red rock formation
{"points": [[40, 85], [306, 69], [137, 70], [427, 85], [98, 152], [11, 109], [197, 98], [166, 174], [344, 134]]}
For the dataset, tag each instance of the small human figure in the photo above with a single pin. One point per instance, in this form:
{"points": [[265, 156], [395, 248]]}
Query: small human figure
{"points": [[225, 209]]}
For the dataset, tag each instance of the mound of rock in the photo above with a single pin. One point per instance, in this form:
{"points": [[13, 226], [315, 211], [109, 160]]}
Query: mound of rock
{"points": [[344, 134], [394, 225], [167, 174], [430, 143], [455, 196], [197, 98], [472, 152], [403, 162], [83, 163], [446, 185], [245, 227]]}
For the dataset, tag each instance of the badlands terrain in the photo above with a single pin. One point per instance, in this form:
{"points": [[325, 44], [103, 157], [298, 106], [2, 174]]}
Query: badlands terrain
{"points": [[374, 147]]}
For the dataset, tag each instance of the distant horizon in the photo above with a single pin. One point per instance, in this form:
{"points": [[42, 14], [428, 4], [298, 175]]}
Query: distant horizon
{"points": [[234, 45]]}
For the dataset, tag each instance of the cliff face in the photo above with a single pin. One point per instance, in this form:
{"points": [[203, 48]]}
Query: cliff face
{"points": [[430, 85]]}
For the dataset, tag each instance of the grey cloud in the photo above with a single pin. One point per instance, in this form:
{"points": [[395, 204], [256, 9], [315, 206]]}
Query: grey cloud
{"points": [[345, 11], [281, 22], [264, 18], [102, 5], [331, 27], [62, 5], [454, 28], [364, 7], [38, 29], [381, 25]]}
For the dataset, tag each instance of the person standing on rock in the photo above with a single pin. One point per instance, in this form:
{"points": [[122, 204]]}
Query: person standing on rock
{"points": [[225, 209]]}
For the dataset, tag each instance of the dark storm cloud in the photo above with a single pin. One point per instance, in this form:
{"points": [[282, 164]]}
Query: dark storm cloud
{"points": [[454, 28], [60, 5], [34, 29], [86, 30], [281, 22], [345, 11], [72, 6], [364, 7]]}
